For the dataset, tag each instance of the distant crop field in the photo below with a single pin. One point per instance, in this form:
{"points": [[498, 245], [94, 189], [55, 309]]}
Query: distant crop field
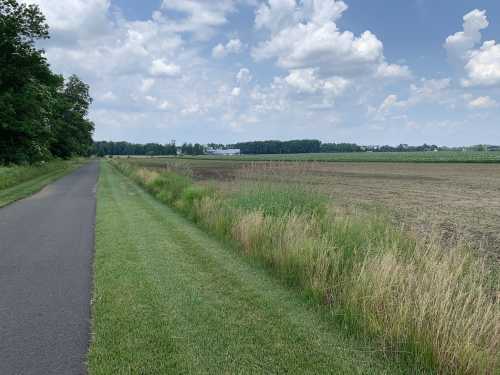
{"points": [[399, 157]]}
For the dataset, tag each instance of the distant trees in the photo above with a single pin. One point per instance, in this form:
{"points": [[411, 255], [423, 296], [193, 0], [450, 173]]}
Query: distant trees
{"points": [[279, 147], [190, 149], [264, 147], [41, 115], [340, 147], [103, 148]]}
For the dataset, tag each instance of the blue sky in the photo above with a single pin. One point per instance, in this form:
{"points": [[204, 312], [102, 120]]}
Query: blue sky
{"points": [[371, 72]]}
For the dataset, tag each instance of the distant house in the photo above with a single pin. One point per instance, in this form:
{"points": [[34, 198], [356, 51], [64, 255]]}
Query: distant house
{"points": [[219, 151]]}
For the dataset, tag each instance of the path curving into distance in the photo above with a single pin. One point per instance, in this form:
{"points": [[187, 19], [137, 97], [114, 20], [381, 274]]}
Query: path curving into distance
{"points": [[46, 250]]}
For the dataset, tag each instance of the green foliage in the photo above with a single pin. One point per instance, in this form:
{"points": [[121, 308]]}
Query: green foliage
{"points": [[281, 200], [278, 147], [19, 181], [103, 148], [71, 131], [169, 186], [190, 149], [194, 193], [38, 112]]}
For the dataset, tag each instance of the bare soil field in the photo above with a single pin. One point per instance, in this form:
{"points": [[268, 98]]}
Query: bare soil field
{"points": [[461, 202]]}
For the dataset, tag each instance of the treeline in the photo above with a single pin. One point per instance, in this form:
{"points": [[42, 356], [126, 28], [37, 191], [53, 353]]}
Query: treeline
{"points": [[103, 148], [315, 146], [41, 115], [278, 147]]}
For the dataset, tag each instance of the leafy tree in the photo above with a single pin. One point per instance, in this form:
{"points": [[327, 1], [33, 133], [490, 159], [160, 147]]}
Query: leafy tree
{"points": [[72, 132], [26, 84], [40, 115]]}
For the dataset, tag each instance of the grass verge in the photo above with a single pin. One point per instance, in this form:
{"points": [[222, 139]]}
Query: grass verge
{"points": [[169, 299], [18, 182], [439, 309]]}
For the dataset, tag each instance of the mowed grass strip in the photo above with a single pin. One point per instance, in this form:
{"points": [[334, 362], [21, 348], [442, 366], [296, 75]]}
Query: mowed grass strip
{"points": [[33, 179], [169, 299]]}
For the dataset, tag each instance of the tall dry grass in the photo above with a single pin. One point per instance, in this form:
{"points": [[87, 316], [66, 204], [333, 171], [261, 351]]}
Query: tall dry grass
{"points": [[440, 308]]}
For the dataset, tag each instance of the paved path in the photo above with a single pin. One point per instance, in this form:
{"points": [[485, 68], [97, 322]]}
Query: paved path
{"points": [[46, 247]]}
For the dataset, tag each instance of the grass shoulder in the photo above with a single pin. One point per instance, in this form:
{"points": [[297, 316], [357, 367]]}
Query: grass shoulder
{"points": [[17, 182]]}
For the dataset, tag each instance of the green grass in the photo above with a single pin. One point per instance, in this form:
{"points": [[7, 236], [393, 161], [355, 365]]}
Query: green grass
{"points": [[278, 200], [169, 299], [399, 157], [18, 182], [435, 307]]}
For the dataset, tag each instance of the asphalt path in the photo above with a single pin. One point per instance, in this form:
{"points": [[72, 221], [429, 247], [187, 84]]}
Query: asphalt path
{"points": [[46, 250]]}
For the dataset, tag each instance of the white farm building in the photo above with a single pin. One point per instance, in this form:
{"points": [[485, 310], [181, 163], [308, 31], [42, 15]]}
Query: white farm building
{"points": [[219, 151]]}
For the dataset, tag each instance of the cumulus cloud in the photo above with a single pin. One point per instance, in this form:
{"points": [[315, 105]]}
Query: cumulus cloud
{"points": [[483, 102], [199, 17], [234, 46], [306, 81], [72, 19], [385, 70], [161, 68], [461, 42], [305, 35], [481, 65]]}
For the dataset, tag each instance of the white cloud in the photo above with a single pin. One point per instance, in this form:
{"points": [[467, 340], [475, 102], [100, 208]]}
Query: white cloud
{"points": [[303, 80], [386, 70], [429, 89], [108, 96], [306, 81], [70, 19], [243, 76], [147, 84], [151, 99], [199, 17], [389, 102], [164, 105], [162, 69], [275, 16], [425, 91], [483, 102], [234, 46], [483, 67], [306, 36], [236, 91], [461, 42]]}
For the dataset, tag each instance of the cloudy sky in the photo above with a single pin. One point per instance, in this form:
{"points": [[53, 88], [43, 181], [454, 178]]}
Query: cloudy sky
{"points": [[371, 72]]}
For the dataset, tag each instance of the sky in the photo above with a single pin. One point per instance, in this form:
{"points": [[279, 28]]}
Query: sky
{"points": [[223, 71]]}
